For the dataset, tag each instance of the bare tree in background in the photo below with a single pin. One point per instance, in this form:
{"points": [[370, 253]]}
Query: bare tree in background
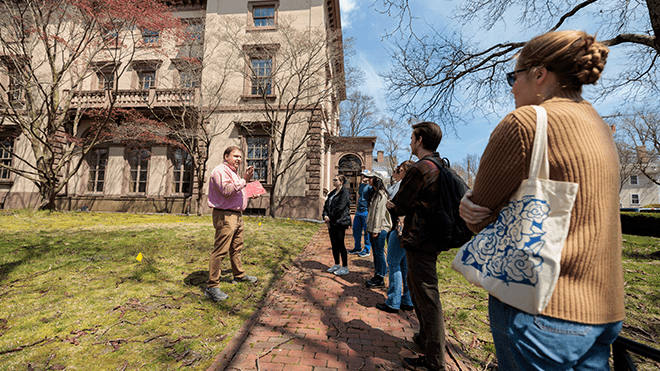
{"points": [[429, 71], [467, 168], [638, 141], [392, 140], [359, 115]]}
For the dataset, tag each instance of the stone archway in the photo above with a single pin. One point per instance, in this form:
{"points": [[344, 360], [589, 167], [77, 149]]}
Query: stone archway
{"points": [[350, 166]]}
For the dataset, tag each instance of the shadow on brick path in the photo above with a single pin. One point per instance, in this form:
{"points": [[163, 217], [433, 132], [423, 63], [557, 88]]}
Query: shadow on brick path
{"points": [[316, 321]]}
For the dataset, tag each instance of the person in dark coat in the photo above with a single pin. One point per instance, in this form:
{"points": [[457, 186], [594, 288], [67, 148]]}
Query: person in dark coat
{"points": [[337, 215]]}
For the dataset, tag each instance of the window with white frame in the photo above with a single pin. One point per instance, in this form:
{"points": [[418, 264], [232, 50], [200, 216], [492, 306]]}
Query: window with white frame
{"points": [[182, 171], [189, 79], [259, 79], [258, 152], [262, 80], [262, 15], [97, 161], [139, 162], [634, 199], [146, 80], [633, 180], [6, 155]]}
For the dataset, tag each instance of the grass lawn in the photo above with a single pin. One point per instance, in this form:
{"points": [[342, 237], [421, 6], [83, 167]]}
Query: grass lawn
{"points": [[73, 295], [466, 307]]}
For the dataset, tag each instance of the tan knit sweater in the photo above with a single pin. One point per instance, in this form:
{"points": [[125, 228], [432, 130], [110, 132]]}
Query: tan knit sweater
{"points": [[581, 150]]}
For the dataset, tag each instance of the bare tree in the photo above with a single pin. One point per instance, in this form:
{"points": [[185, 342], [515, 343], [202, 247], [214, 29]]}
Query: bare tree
{"points": [[431, 70], [359, 115], [467, 168], [48, 48], [291, 79], [638, 141], [392, 141]]}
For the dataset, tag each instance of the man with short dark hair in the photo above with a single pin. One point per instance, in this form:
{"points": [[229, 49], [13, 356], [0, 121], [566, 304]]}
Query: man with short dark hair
{"points": [[360, 218], [228, 199], [416, 200]]}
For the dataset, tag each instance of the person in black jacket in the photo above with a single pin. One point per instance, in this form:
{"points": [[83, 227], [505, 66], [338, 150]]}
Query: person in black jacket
{"points": [[337, 215]]}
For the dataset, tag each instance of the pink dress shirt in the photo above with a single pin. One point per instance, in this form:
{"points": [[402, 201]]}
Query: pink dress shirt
{"points": [[227, 189]]}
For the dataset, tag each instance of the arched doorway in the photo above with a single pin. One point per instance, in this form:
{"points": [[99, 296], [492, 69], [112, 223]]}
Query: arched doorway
{"points": [[350, 166]]}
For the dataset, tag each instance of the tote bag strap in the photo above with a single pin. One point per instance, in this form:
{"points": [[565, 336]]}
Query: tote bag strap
{"points": [[539, 168]]}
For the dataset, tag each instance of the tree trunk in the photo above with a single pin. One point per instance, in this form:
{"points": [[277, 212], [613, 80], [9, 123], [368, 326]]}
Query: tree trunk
{"points": [[654, 15], [273, 199]]}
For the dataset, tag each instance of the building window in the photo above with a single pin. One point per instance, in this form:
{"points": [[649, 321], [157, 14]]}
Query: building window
{"points": [[139, 161], [15, 88], [106, 80], [147, 80], [258, 151], [6, 154], [262, 81], [195, 29], [188, 79], [633, 180], [98, 161], [634, 199], [182, 171], [260, 70], [150, 37], [262, 15]]}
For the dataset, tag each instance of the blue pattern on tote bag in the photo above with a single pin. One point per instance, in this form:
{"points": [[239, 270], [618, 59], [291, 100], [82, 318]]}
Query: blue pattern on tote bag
{"points": [[494, 252]]}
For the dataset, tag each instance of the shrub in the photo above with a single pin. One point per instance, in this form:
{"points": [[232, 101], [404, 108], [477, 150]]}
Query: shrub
{"points": [[641, 224]]}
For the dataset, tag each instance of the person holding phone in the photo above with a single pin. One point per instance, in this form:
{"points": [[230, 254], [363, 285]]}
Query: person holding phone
{"points": [[228, 198]]}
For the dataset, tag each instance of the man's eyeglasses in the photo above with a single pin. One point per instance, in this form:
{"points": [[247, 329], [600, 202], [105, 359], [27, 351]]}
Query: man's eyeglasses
{"points": [[511, 76]]}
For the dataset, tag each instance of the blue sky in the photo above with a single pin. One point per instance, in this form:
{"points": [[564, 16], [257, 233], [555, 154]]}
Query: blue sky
{"points": [[363, 22]]}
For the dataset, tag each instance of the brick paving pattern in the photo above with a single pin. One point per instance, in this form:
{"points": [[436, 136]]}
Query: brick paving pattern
{"points": [[316, 321]]}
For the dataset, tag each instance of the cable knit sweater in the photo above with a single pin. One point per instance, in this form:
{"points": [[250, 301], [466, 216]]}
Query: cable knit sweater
{"points": [[580, 149]]}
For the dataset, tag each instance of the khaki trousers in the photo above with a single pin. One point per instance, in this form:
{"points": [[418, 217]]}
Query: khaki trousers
{"points": [[228, 240]]}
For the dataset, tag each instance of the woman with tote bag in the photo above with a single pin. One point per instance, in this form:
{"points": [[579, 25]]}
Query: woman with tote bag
{"points": [[583, 314]]}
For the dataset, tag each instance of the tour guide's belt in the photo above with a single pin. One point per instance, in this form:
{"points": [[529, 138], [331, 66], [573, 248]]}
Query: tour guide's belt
{"points": [[229, 211]]}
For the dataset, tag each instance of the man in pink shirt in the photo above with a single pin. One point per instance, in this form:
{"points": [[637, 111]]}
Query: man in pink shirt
{"points": [[228, 199]]}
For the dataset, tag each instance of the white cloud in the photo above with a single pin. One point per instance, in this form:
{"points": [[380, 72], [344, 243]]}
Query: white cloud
{"points": [[348, 8], [373, 84]]}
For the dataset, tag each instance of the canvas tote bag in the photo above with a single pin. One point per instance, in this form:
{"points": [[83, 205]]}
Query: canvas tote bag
{"points": [[516, 258]]}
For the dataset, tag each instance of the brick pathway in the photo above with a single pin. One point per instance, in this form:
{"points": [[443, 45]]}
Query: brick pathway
{"points": [[316, 321]]}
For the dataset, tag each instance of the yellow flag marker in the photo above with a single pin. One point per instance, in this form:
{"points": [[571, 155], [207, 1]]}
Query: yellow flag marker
{"points": [[139, 257], [260, 224]]}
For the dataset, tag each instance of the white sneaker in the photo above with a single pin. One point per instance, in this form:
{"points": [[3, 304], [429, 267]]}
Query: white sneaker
{"points": [[342, 271], [334, 268]]}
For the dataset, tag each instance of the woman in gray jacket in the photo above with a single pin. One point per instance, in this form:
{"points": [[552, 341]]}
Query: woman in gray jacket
{"points": [[378, 223]]}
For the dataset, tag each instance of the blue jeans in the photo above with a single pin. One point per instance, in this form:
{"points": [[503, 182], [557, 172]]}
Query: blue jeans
{"points": [[535, 342], [378, 245], [398, 267], [360, 226]]}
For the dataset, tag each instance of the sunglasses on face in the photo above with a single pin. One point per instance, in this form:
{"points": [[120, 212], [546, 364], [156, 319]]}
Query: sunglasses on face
{"points": [[511, 76]]}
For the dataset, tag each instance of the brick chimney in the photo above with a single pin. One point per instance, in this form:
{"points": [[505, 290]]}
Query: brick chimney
{"points": [[380, 157], [642, 156]]}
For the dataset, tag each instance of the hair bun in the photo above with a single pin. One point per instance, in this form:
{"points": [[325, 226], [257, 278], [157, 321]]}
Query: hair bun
{"points": [[590, 60]]}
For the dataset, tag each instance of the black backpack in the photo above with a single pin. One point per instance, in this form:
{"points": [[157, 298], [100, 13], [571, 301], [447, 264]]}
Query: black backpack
{"points": [[451, 229]]}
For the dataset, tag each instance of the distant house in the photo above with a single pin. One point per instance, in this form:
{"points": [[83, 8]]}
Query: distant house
{"points": [[384, 165], [638, 190]]}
